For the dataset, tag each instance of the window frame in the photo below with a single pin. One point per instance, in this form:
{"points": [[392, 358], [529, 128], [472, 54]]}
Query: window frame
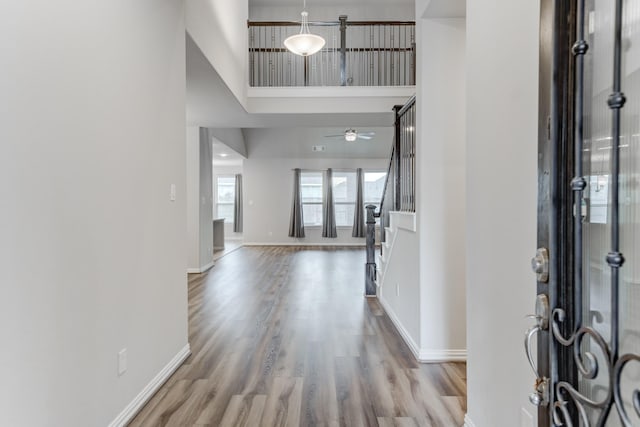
{"points": [[321, 203], [230, 220], [364, 186], [355, 196]]}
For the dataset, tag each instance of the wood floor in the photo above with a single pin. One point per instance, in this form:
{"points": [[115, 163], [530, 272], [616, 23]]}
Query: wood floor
{"points": [[284, 337]]}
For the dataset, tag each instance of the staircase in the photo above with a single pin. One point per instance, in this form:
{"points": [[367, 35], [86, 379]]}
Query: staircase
{"points": [[397, 220], [397, 207]]}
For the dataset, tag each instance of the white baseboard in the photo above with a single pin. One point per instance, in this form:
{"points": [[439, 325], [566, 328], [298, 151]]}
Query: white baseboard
{"points": [[201, 269], [401, 329], [433, 356], [147, 393], [422, 355], [468, 422]]}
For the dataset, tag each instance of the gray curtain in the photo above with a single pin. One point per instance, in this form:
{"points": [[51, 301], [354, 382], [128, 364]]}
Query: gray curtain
{"points": [[296, 222], [358, 217], [328, 208], [237, 206]]}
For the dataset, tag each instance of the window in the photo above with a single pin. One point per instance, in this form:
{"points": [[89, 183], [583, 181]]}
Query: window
{"points": [[311, 190], [345, 187], [225, 197], [344, 197], [373, 188]]}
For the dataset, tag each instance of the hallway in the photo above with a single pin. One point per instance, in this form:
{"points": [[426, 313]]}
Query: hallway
{"points": [[284, 336]]}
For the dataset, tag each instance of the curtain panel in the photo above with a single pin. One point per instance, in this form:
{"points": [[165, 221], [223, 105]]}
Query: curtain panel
{"points": [[328, 208], [358, 216], [296, 222], [237, 206]]}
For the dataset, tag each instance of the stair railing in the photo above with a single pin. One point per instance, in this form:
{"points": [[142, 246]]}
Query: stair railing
{"points": [[400, 183]]}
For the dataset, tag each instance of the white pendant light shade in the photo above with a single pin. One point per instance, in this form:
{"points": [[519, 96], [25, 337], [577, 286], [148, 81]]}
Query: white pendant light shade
{"points": [[304, 43]]}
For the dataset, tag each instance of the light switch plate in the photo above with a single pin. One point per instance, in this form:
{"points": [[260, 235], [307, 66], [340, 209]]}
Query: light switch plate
{"points": [[122, 361]]}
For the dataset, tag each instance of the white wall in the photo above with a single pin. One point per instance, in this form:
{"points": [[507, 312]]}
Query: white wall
{"points": [[92, 253], [193, 198], [199, 200], [440, 157], [502, 114], [206, 199], [219, 28], [400, 290], [268, 184]]}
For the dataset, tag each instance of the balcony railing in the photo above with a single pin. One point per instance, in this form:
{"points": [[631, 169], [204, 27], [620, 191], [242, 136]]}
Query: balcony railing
{"points": [[357, 53]]}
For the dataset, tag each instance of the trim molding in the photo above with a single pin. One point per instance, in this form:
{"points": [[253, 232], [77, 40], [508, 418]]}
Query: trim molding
{"points": [[443, 355], [400, 328], [201, 269], [468, 422], [406, 220], [147, 393], [422, 355]]}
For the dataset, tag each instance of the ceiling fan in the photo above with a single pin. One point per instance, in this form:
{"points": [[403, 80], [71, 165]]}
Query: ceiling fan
{"points": [[350, 135]]}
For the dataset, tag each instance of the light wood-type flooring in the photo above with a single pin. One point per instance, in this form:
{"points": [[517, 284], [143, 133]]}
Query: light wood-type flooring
{"points": [[283, 336]]}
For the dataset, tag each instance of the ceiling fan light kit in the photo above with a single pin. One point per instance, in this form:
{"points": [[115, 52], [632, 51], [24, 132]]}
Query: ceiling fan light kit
{"points": [[352, 135], [304, 43]]}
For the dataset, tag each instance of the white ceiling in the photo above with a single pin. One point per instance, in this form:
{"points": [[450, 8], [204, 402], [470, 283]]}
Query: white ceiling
{"points": [[298, 143]]}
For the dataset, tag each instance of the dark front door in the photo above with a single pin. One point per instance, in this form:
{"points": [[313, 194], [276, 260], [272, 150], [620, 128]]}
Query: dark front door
{"points": [[587, 319]]}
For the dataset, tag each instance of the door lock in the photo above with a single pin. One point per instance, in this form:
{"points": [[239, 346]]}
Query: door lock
{"points": [[540, 264]]}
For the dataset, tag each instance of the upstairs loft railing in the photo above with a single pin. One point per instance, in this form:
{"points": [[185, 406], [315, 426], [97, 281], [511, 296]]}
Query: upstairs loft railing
{"points": [[356, 53], [400, 185]]}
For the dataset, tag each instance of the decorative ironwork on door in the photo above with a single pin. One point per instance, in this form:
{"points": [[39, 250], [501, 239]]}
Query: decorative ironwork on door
{"points": [[598, 326]]}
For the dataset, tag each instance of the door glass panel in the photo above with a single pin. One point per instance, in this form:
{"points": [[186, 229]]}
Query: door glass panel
{"points": [[597, 226]]}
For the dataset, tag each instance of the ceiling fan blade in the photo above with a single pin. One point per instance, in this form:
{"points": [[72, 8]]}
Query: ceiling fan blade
{"points": [[367, 133], [366, 137], [335, 136]]}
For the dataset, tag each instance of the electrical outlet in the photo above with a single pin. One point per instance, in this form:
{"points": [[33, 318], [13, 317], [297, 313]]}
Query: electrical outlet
{"points": [[172, 192], [397, 289], [122, 361]]}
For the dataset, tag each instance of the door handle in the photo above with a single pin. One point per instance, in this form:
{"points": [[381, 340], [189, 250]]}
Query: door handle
{"points": [[527, 347], [540, 395]]}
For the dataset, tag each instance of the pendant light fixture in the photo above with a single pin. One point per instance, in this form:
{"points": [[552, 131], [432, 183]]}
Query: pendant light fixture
{"points": [[304, 43]]}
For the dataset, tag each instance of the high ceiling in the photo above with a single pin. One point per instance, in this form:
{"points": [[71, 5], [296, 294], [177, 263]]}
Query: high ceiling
{"points": [[211, 104], [328, 2]]}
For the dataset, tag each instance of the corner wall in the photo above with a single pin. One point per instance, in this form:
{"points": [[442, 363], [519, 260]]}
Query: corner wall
{"points": [[219, 28], [92, 249], [199, 200], [440, 157], [502, 127]]}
